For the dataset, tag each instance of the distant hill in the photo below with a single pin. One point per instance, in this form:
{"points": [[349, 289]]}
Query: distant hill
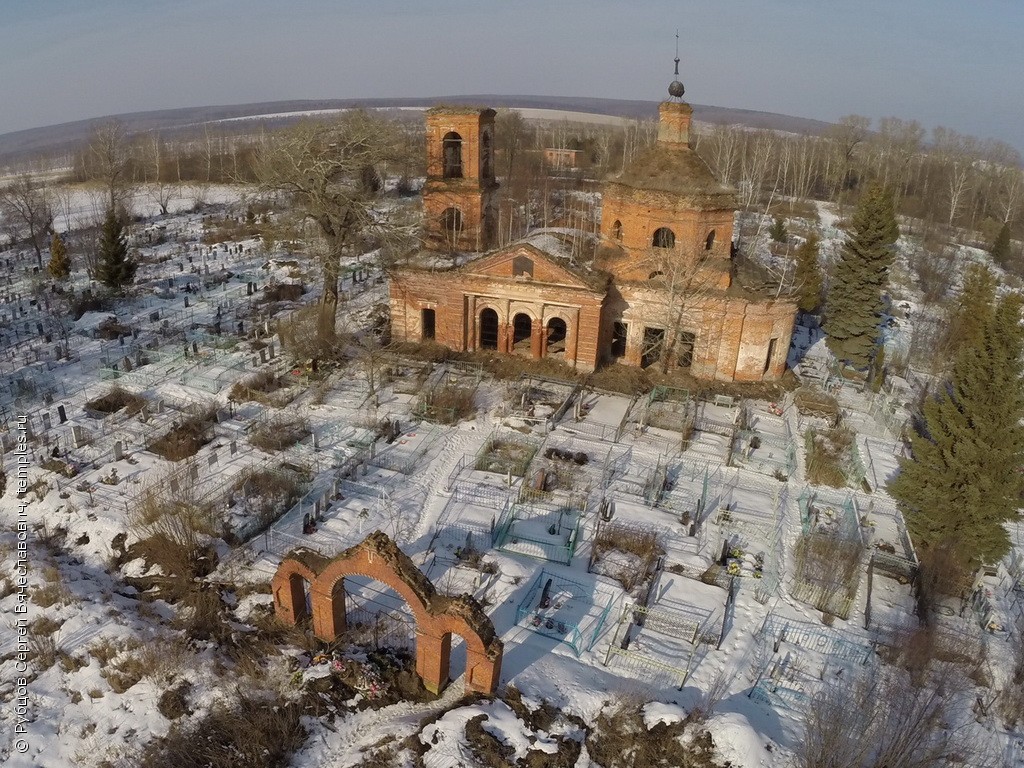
{"points": [[58, 138]]}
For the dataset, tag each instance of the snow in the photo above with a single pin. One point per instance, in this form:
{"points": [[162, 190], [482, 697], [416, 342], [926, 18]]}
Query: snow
{"points": [[658, 712], [424, 489], [737, 742]]}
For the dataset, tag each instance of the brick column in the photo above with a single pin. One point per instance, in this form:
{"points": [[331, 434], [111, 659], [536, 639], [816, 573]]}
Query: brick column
{"points": [[329, 613], [432, 659], [482, 674], [572, 340], [538, 340], [471, 340], [634, 343], [289, 599]]}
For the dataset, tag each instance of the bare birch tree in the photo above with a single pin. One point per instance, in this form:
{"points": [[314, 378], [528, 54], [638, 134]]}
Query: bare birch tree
{"points": [[27, 212]]}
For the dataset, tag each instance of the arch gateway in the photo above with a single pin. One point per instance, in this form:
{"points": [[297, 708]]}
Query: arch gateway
{"points": [[437, 616]]}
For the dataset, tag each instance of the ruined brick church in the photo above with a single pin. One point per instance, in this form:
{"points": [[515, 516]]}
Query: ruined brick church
{"points": [[656, 286]]}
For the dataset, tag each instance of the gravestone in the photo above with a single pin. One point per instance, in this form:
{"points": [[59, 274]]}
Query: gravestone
{"points": [[234, 447], [46, 421], [118, 451], [79, 436], [62, 414]]}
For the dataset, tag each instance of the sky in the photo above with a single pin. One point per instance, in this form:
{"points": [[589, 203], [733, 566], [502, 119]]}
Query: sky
{"points": [[954, 63]]}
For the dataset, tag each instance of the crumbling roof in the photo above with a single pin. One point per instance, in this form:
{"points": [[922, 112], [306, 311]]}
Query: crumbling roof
{"points": [[679, 171], [461, 109]]}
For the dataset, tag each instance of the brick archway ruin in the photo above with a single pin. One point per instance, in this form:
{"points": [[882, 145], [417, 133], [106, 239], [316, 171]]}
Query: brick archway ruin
{"points": [[437, 616]]}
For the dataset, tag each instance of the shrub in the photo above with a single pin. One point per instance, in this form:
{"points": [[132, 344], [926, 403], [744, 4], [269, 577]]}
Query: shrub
{"points": [[188, 436], [828, 456], [116, 399], [280, 432], [256, 732], [641, 543]]}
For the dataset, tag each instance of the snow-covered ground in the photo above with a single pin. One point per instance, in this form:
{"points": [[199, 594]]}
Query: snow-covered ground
{"points": [[716, 625]]}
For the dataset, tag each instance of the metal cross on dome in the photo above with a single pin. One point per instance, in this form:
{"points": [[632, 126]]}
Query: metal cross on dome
{"points": [[675, 88]]}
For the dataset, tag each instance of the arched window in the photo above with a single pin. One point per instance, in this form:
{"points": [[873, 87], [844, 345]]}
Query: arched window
{"points": [[452, 144], [664, 238], [710, 242], [451, 225], [617, 230]]}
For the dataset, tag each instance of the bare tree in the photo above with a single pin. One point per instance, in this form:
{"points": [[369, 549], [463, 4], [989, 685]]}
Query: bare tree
{"points": [[159, 191], [110, 160], [319, 165], [882, 719], [681, 276], [27, 212]]}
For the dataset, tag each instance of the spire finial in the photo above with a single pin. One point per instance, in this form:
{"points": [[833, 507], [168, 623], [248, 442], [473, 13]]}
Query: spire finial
{"points": [[675, 88]]}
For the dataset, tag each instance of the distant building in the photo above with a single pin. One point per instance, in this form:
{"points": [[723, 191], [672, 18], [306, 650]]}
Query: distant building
{"points": [[562, 158], [655, 287]]}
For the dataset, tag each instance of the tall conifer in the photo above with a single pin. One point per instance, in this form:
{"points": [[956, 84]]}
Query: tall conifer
{"points": [[60, 263], [807, 275], [1001, 247], [116, 268], [854, 302], [963, 480]]}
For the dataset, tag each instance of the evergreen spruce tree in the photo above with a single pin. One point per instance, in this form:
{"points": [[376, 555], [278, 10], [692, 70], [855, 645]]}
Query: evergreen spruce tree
{"points": [[60, 263], [970, 315], [1000, 250], [116, 268], [854, 301], [807, 275], [778, 230], [963, 480]]}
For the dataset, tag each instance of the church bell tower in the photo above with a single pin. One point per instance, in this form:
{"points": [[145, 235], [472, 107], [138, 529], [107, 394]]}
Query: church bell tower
{"points": [[459, 201]]}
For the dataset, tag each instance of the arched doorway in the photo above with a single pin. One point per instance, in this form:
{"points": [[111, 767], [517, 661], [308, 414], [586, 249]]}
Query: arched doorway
{"points": [[376, 615], [488, 329], [522, 334], [557, 332]]}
